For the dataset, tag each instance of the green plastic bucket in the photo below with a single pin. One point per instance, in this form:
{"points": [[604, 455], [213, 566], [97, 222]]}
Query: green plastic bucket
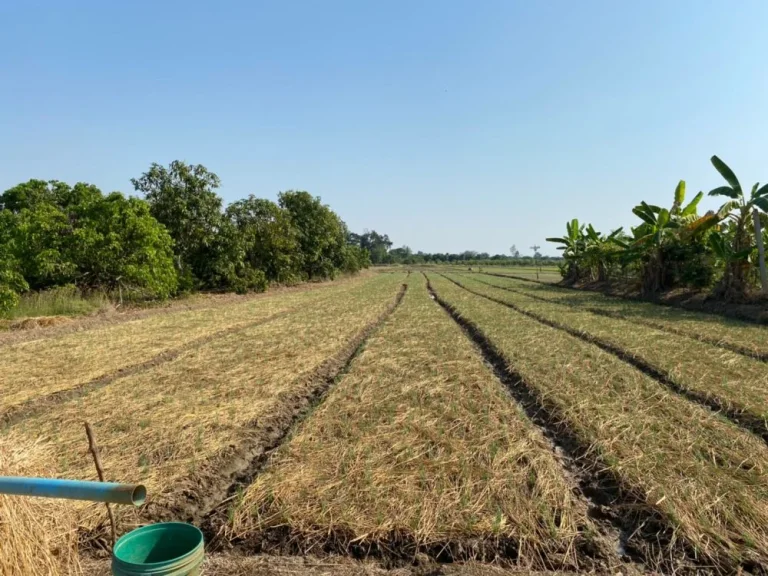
{"points": [[166, 549]]}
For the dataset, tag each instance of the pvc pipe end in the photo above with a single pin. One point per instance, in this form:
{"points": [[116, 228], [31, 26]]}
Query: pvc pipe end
{"points": [[139, 495]]}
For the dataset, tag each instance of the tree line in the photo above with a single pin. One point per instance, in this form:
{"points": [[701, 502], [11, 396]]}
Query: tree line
{"points": [[177, 238], [379, 247], [676, 247]]}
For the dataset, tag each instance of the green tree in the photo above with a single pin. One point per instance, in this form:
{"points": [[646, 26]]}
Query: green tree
{"points": [[378, 245], [12, 282], [354, 259], [118, 244], [321, 234], [226, 267], [182, 197], [31, 194], [42, 238], [270, 240], [56, 234], [601, 252]]}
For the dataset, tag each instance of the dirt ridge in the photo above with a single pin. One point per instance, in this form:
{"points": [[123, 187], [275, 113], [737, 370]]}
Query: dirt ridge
{"points": [[641, 534], [218, 484], [736, 414], [699, 337], [35, 405], [695, 302], [399, 548]]}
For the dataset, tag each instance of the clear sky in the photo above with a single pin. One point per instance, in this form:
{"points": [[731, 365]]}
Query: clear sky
{"points": [[448, 125]]}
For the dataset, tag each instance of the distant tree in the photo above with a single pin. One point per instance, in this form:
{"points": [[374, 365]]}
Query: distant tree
{"points": [[376, 244], [402, 255], [514, 251]]}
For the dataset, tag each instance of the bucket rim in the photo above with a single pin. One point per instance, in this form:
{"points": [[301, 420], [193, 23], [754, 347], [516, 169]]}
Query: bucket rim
{"points": [[159, 526]]}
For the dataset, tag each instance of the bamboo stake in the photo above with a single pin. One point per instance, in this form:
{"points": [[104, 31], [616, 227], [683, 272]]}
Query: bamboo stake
{"points": [[94, 449]]}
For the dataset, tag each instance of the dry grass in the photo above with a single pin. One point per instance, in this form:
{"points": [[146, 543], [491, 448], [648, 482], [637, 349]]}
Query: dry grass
{"points": [[418, 446], [550, 275], [42, 367], [745, 335], [38, 537], [735, 382], [264, 565], [161, 427], [708, 478]]}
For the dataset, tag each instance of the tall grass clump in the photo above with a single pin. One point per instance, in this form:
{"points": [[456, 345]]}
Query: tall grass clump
{"points": [[60, 301]]}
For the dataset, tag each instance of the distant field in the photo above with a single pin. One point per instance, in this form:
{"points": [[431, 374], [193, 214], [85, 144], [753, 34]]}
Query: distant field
{"points": [[541, 273], [436, 416]]}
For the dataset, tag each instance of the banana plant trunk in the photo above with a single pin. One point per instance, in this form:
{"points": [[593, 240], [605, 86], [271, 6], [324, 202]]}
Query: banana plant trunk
{"points": [[572, 274], [653, 273], [733, 286], [760, 250]]}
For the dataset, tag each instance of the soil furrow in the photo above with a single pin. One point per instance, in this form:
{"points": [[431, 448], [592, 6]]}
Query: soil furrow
{"points": [[439, 368], [737, 415], [523, 278], [223, 477], [35, 405], [618, 508], [700, 337], [754, 314]]}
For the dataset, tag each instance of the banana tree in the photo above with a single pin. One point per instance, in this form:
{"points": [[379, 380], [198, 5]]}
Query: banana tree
{"points": [[648, 241], [573, 246], [661, 227], [600, 252], [723, 249], [737, 210]]}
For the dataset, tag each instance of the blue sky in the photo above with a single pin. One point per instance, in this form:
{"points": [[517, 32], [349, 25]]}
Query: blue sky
{"points": [[448, 125]]}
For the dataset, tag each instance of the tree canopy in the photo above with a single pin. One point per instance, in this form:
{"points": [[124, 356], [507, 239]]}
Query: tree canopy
{"points": [[55, 234], [178, 237]]}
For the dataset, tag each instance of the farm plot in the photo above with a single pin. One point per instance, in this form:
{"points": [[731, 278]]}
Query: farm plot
{"points": [[742, 337], [690, 487], [546, 275], [188, 427], [720, 379], [419, 449], [40, 372]]}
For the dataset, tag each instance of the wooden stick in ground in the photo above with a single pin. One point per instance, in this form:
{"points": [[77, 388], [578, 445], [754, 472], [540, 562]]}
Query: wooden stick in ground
{"points": [[100, 471]]}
